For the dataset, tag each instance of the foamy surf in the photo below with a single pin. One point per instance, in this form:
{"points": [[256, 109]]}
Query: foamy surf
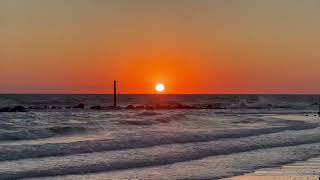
{"points": [[246, 135]]}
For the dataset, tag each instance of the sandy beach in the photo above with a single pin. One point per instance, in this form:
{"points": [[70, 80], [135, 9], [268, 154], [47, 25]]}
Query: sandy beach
{"points": [[301, 170]]}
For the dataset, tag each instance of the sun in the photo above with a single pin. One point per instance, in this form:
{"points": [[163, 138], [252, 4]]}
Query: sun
{"points": [[160, 87]]}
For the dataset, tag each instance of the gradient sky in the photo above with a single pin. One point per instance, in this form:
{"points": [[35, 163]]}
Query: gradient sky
{"points": [[193, 46]]}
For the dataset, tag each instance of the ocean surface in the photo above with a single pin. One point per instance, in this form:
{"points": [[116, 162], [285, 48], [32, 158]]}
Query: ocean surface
{"points": [[243, 133]]}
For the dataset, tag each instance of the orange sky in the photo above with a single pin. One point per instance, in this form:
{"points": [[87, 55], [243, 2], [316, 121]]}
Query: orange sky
{"points": [[81, 46]]}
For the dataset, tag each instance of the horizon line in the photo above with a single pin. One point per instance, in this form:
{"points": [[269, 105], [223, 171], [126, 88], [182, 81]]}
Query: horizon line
{"points": [[161, 94]]}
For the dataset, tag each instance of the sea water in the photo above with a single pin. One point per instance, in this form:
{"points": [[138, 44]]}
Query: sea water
{"points": [[241, 134]]}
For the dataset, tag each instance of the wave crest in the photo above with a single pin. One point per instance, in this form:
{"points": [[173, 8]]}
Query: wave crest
{"points": [[40, 133]]}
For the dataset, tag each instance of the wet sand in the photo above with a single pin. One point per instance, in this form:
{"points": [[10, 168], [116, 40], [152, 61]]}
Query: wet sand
{"points": [[301, 170]]}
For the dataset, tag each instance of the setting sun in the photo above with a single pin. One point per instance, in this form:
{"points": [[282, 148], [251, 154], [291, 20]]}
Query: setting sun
{"points": [[160, 87]]}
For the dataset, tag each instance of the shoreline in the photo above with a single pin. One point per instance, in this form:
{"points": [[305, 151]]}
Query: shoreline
{"points": [[300, 170]]}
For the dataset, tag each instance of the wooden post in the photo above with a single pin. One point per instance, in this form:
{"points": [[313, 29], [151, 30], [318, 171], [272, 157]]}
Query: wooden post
{"points": [[114, 93], [319, 106]]}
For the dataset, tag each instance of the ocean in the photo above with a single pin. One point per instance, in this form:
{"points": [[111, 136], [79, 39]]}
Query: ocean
{"points": [[239, 135]]}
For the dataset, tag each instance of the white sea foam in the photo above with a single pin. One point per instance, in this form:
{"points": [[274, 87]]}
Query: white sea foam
{"points": [[193, 143]]}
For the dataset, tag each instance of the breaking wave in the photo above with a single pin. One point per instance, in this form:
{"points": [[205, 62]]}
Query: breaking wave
{"points": [[40, 133], [14, 152], [160, 155]]}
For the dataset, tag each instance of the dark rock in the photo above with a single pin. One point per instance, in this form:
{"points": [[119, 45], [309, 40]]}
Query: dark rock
{"points": [[68, 107], [53, 107], [113, 108], [79, 106], [140, 107], [66, 129], [13, 109], [33, 107], [136, 122], [96, 107], [184, 107], [18, 109], [5, 109], [130, 107]]}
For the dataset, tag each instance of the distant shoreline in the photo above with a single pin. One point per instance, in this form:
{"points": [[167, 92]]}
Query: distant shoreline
{"points": [[275, 94]]}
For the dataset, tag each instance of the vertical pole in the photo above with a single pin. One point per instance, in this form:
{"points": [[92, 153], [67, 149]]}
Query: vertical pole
{"points": [[319, 106], [114, 93]]}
